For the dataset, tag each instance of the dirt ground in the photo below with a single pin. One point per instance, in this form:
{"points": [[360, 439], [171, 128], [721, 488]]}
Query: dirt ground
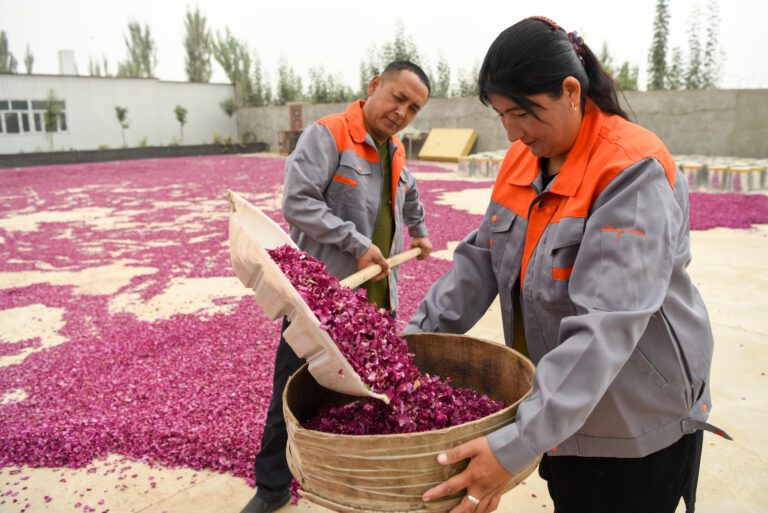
{"points": [[728, 267]]}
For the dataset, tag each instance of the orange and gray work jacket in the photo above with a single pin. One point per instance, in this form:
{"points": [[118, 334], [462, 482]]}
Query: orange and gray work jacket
{"points": [[332, 196], [596, 264]]}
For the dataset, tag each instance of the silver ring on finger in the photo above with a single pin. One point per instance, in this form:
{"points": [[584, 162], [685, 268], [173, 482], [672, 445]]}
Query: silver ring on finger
{"points": [[474, 500]]}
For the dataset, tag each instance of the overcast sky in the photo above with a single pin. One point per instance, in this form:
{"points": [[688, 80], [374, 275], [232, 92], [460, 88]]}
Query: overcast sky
{"points": [[337, 34]]}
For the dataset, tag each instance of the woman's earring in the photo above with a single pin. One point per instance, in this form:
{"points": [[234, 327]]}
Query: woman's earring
{"points": [[573, 106]]}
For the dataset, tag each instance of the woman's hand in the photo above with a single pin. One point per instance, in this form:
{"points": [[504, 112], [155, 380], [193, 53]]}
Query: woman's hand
{"points": [[484, 479]]}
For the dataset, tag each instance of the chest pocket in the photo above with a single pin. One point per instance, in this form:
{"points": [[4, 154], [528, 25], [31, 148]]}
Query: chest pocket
{"points": [[350, 185], [501, 222], [560, 256]]}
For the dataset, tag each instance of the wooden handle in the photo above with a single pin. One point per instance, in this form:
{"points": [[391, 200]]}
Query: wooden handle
{"points": [[360, 277]]}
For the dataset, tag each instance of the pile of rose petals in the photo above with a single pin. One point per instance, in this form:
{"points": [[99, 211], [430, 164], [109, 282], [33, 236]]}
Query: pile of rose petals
{"points": [[367, 337]]}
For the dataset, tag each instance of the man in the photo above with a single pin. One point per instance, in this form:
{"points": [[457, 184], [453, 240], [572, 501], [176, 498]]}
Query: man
{"points": [[347, 196]]}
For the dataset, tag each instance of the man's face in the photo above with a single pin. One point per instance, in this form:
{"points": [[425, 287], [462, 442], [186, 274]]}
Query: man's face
{"points": [[393, 102]]}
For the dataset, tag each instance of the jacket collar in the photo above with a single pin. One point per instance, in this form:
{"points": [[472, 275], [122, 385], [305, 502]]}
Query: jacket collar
{"points": [[357, 131], [355, 121], [575, 165]]}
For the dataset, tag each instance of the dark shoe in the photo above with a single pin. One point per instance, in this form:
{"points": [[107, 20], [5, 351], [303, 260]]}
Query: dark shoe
{"points": [[259, 505]]}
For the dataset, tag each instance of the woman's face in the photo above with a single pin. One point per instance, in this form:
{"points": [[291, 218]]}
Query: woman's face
{"points": [[553, 134]]}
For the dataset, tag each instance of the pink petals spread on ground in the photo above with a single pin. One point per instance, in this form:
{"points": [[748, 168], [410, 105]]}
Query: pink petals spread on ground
{"points": [[188, 390]]}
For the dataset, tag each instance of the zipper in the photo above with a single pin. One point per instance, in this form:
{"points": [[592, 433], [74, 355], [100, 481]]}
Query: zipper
{"points": [[381, 188], [527, 293]]}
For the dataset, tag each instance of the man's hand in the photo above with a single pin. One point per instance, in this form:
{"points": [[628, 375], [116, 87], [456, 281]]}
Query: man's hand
{"points": [[424, 244], [484, 479], [373, 255]]}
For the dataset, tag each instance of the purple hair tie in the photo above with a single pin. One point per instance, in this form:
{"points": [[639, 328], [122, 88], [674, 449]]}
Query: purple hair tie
{"points": [[578, 45]]}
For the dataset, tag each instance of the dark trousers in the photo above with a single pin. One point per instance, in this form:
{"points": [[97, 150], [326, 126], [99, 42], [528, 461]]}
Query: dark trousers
{"points": [[272, 474], [653, 484]]}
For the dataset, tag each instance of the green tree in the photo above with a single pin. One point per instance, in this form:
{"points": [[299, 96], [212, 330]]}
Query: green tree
{"points": [[227, 50], [229, 106], [261, 90], [401, 47], [8, 62], [325, 87], [197, 44], [657, 56], [98, 69], [713, 54], [94, 68], [441, 86], [606, 61], [234, 58], [181, 117], [369, 68], [245, 73], [676, 74], [627, 77], [122, 118], [318, 90], [142, 54], [694, 78], [466, 82], [29, 60], [289, 86], [53, 111]]}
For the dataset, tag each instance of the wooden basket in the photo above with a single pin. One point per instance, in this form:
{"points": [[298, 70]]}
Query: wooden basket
{"points": [[388, 473]]}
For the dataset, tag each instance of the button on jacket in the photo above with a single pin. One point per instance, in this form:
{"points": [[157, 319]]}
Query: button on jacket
{"points": [[620, 336], [333, 193]]}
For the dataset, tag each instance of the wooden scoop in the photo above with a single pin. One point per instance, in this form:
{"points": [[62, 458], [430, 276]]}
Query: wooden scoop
{"points": [[251, 234]]}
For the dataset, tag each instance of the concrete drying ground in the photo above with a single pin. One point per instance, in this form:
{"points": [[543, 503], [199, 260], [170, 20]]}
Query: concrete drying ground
{"points": [[729, 269]]}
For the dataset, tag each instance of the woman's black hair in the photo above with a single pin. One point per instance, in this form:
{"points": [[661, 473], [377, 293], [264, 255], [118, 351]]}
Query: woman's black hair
{"points": [[534, 56]]}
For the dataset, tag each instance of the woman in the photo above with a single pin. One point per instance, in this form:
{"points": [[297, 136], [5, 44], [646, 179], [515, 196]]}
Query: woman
{"points": [[586, 242]]}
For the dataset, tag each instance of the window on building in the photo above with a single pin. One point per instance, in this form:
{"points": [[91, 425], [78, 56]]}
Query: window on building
{"points": [[28, 116], [11, 122]]}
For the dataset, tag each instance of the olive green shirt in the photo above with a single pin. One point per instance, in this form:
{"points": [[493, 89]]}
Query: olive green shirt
{"points": [[378, 292]]}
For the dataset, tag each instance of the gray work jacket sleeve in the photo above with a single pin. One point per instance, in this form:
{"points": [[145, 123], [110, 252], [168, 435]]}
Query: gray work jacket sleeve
{"points": [[461, 296], [308, 171], [413, 210], [620, 278]]}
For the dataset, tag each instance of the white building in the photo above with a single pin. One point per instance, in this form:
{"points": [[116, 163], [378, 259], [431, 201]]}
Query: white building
{"points": [[88, 119]]}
